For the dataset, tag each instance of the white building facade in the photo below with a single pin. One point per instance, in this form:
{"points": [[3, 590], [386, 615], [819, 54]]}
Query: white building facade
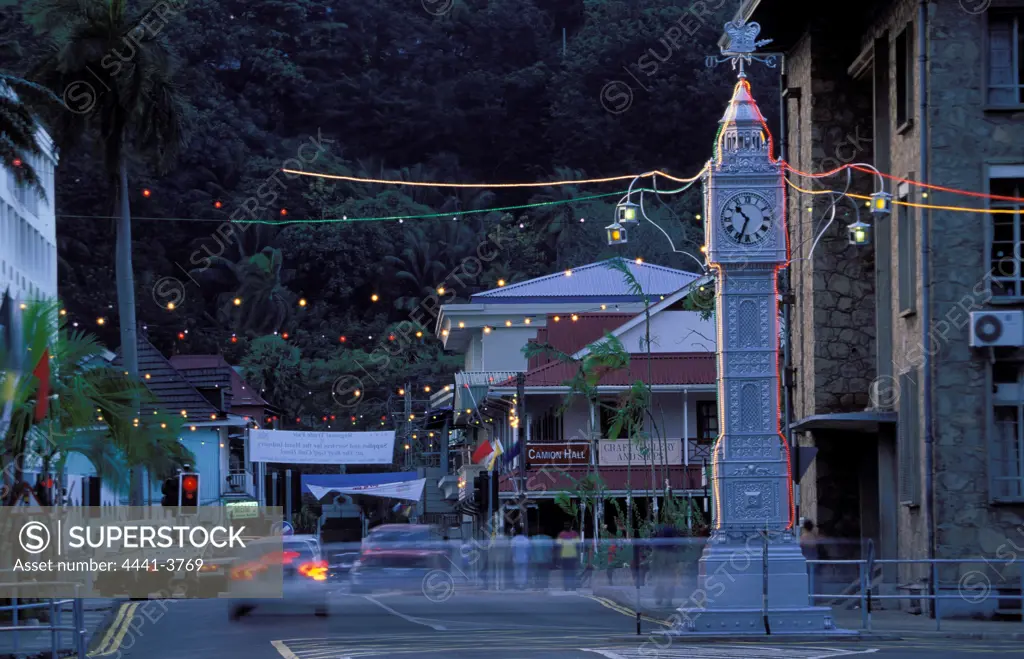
{"points": [[28, 228]]}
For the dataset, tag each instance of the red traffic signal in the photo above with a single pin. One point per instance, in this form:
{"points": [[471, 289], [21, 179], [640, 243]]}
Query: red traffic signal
{"points": [[189, 488]]}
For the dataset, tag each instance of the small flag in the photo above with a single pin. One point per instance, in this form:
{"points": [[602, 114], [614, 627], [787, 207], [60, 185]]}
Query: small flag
{"points": [[42, 371], [482, 452], [494, 455]]}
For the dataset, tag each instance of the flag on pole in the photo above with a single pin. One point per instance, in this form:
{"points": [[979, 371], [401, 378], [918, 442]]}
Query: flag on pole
{"points": [[494, 455], [483, 452], [42, 371]]}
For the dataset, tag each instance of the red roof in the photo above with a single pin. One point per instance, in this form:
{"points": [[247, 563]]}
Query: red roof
{"points": [[554, 479], [666, 368], [241, 393], [570, 336]]}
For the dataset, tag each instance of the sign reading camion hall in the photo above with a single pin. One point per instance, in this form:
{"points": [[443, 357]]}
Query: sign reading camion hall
{"points": [[558, 454]]}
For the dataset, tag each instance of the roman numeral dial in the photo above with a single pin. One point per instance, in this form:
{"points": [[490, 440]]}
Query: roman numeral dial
{"points": [[747, 218]]}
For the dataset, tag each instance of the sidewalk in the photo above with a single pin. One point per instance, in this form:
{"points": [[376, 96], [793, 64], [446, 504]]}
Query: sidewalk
{"points": [[34, 641], [884, 625]]}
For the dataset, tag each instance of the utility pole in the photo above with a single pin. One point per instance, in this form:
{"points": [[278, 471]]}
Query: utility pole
{"points": [[406, 422], [521, 439]]}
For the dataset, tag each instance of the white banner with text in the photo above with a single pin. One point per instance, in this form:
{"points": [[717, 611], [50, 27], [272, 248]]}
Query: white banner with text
{"points": [[620, 452], [339, 448]]}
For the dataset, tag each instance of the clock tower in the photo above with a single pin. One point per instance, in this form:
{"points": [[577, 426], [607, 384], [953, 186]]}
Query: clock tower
{"points": [[753, 575]]}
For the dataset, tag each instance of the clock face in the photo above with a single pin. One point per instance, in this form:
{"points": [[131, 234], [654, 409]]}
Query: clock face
{"points": [[747, 218]]}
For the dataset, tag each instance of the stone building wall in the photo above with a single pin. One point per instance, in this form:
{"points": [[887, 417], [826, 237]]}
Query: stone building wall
{"points": [[834, 320]]}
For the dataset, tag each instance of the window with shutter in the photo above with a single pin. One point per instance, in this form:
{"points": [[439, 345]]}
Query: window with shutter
{"points": [[1005, 84], [1007, 446], [909, 441]]}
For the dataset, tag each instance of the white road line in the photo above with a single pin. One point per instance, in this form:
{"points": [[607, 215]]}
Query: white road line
{"points": [[417, 621], [726, 652], [283, 650]]}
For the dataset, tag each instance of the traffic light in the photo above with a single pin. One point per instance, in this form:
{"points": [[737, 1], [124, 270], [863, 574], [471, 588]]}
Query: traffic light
{"points": [[170, 492], [189, 489]]}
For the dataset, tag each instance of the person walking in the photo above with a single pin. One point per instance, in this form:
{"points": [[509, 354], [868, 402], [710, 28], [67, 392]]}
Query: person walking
{"points": [[542, 556], [521, 558], [568, 552], [810, 545], [665, 564]]}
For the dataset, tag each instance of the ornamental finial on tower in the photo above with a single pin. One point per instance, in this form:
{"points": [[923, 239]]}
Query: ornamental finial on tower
{"points": [[741, 46]]}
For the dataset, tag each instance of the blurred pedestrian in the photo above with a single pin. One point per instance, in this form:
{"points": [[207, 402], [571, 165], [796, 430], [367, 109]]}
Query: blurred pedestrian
{"points": [[520, 557], [542, 556], [665, 565], [568, 553]]}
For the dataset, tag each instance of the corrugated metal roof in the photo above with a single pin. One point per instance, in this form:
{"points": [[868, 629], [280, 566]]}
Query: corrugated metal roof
{"points": [[568, 336], [667, 368], [597, 281]]}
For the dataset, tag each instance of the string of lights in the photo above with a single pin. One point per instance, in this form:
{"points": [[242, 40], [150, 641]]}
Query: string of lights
{"points": [[544, 184], [898, 179], [399, 218], [911, 204]]}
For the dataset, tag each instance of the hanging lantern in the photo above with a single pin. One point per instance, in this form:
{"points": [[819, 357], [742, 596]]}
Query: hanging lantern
{"points": [[859, 234], [881, 203], [616, 234], [627, 214]]}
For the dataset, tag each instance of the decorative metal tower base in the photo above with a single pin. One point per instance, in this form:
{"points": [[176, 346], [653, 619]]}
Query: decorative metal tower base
{"points": [[730, 597], [753, 575]]}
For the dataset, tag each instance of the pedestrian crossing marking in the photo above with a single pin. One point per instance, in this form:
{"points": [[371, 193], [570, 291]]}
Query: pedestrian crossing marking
{"points": [[672, 651]]}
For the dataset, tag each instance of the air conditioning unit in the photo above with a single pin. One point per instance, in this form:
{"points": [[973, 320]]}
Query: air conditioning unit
{"points": [[997, 328]]}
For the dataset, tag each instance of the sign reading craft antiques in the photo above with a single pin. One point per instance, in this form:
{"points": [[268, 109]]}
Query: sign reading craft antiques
{"points": [[338, 448], [616, 452], [558, 454]]}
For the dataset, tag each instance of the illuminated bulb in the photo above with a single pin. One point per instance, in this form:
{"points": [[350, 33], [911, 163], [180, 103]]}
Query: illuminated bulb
{"points": [[558, 318], [170, 306], [440, 290], [181, 336], [184, 413], [575, 318], [222, 444], [603, 307], [401, 392], [639, 260], [284, 211], [568, 273], [406, 447], [501, 282], [412, 416], [217, 204], [703, 249], [147, 376], [17, 162], [284, 335], [192, 428], [924, 195], [427, 388], [237, 301], [487, 330], [698, 216], [101, 321], [581, 220], [356, 393], [444, 332], [461, 324], [419, 335], [508, 323], [302, 302], [63, 312], [526, 321], [342, 339], [146, 192], [23, 306], [164, 426], [374, 297]]}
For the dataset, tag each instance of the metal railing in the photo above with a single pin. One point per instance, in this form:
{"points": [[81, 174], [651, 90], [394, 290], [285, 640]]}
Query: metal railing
{"points": [[931, 590], [240, 481], [56, 627]]}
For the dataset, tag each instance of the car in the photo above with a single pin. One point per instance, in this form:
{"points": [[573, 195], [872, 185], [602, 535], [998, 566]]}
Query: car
{"points": [[296, 560], [340, 564], [398, 557]]}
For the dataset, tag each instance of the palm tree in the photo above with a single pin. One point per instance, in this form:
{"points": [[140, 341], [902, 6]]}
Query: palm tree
{"points": [[138, 115], [91, 410], [258, 302], [18, 143], [419, 267]]}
